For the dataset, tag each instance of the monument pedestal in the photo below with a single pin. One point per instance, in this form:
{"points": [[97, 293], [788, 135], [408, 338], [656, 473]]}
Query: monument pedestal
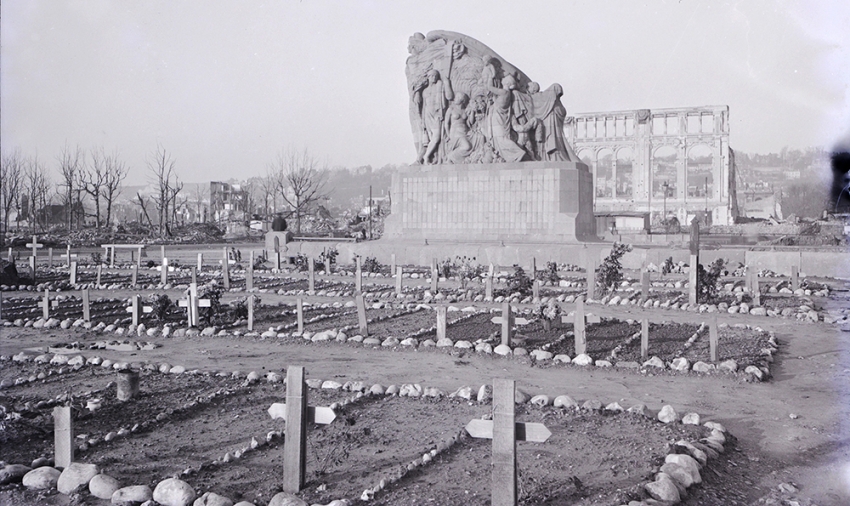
{"points": [[539, 202]]}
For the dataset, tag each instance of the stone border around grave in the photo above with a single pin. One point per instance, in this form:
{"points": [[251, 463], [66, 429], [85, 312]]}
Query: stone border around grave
{"points": [[680, 471]]}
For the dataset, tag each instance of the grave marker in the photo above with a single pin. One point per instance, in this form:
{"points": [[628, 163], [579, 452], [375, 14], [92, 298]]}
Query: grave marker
{"points": [[358, 277], [225, 270], [590, 278], [435, 276], [644, 338], [392, 263], [49, 258], [488, 288], [73, 273], [311, 276], [99, 273], [644, 285], [297, 415], [361, 315], [250, 313], [398, 277], [507, 320], [299, 314], [63, 437], [200, 262], [34, 245], [10, 257], [194, 275], [68, 256], [32, 268], [46, 304], [535, 290], [693, 293], [249, 275], [163, 277], [134, 308], [712, 338], [795, 277], [441, 322], [193, 304], [505, 432], [277, 260], [86, 305], [134, 274], [580, 320]]}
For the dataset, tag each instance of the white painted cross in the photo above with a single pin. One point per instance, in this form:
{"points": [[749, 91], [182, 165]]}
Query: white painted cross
{"points": [[505, 432], [507, 320], [73, 273], [68, 256], [133, 308], [46, 304], [63, 437], [192, 304], [358, 277], [297, 415], [361, 315], [134, 275], [200, 261], [34, 245], [580, 320], [164, 270], [99, 273], [441, 322], [49, 258], [795, 277], [250, 313]]}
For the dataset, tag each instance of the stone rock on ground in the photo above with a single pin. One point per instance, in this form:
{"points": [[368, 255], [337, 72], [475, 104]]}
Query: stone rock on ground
{"points": [[728, 365], [212, 499], [564, 401], [485, 394], [285, 499], [502, 349], [654, 362], [680, 364], [244, 503], [592, 405], [76, 475], [663, 489], [678, 473], [583, 359], [668, 414], [43, 478], [686, 462], [521, 397], [702, 367], [13, 473], [640, 409], [173, 492], [103, 486], [131, 496]]}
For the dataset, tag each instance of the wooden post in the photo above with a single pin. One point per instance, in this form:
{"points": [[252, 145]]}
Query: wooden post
{"points": [[86, 305], [194, 272], [435, 276], [139, 257], [10, 257], [225, 270], [579, 328], [134, 309], [392, 263], [311, 276], [249, 276], [712, 339], [162, 252], [134, 274], [298, 416], [361, 315], [693, 289], [533, 267], [73, 272], [299, 311], [535, 290], [488, 288], [63, 437], [507, 323], [644, 285], [756, 291], [398, 283], [644, 338], [250, 313], [45, 305], [99, 273], [277, 260], [358, 278], [33, 269], [441, 322], [110, 252], [200, 262], [590, 278], [505, 432], [49, 258], [795, 277], [163, 278], [68, 255]]}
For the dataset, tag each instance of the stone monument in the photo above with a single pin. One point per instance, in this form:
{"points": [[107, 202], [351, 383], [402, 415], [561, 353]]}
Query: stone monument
{"points": [[492, 163]]}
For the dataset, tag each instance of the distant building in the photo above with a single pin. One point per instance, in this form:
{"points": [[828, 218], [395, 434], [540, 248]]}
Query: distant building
{"points": [[228, 202], [638, 157]]}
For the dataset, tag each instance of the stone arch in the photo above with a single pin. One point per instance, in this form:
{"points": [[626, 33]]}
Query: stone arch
{"points": [[700, 171], [665, 162], [625, 173], [604, 173]]}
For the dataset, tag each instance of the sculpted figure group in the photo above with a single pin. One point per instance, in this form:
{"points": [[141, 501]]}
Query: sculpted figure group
{"points": [[467, 105]]}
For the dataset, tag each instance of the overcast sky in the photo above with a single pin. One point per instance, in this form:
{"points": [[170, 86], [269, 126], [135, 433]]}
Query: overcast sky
{"points": [[225, 85]]}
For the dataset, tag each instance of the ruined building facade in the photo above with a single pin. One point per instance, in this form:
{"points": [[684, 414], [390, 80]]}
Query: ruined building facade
{"points": [[637, 157]]}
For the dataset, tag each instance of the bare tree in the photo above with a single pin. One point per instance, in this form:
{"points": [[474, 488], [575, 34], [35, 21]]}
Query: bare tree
{"points": [[101, 180], [168, 186], [11, 177], [36, 186], [116, 172], [71, 164], [202, 192], [300, 180]]}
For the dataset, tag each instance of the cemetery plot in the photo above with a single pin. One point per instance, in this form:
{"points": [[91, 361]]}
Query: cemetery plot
{"points": [[402, 325]]}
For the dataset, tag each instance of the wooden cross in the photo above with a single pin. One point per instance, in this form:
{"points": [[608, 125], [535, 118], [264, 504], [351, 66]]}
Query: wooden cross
{"points": [[507, 320], [441, 322], [225, 270], [73, 273], [86, 305], [46, 304], [358, 277], [193, 304], [134, 308], [488, 287], [644, 338], [712, 339], [299, 314], [200, 261], [250, 313], [68, 256], [398, 277], [590, 278], [644, 285], [10, 257], [134, 275], [99, 273], [435, 276], [164, 268], [34, 245], [693, 293], [249, 274], [63, 437], [49, 258], [535, 289], [297, 415], [795, 277], [311, 276], [392, 263], [361, 315], [194, 275], [580, 320], [505, 432]]}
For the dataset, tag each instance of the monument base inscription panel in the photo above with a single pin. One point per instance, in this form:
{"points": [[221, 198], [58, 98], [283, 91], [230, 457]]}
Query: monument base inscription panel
{"points": [[549, 202]]}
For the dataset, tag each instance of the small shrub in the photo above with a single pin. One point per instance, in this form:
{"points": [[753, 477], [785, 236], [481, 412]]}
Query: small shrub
{"points": [[371, 264], [707, 280], [328, 256], [550, 274], [239, 307], [610, 273], [302, 262], [519, 281], [668, 266], [212, 314], [151, 264], [96, 258], [161, 305], [549, 312]]}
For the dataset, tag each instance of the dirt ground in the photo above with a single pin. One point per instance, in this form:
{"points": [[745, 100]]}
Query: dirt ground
{"points": [[793, 429]]}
